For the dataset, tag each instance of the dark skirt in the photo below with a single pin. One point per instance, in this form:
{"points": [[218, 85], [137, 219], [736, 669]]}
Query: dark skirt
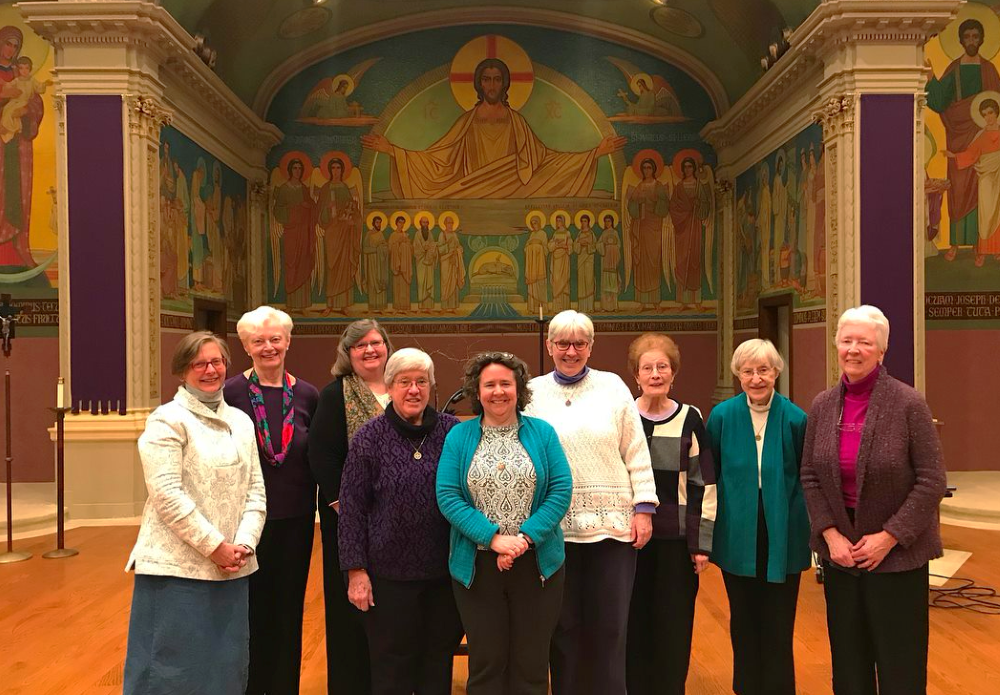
{"points": [[188, 636]]}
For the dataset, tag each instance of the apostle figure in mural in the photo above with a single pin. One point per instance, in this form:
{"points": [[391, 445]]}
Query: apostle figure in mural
{"points": [[425, 255], [214, 261], [560, 248], [818, 179], [294, 225], [339, 216], [491, 152], [168, 252], [536, 251], [401, 262], [692, 210], [452, 262], [375, 262], [610, 248], [181, 231], [585, 247], [16, 164], [649, 234], [764, 221], [983, 155], [779, 205], [199, 241], [951, 95]]}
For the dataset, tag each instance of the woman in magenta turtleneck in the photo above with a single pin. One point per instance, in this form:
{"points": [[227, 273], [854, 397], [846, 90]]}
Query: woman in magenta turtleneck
{"points": [[873, 477]]}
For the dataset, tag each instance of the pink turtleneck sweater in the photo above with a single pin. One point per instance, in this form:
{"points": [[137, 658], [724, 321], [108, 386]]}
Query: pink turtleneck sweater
{"points": [[852, 423]]}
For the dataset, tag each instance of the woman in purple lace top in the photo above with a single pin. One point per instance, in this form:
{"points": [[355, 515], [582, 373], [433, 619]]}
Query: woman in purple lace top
{"points": [[394, 540], [873, 477]]}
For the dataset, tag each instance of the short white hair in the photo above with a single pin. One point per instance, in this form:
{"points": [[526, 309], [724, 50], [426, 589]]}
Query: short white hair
{"points": [[867, 315], [756, 350], [569, 322], [253, 321], [408, 359]]}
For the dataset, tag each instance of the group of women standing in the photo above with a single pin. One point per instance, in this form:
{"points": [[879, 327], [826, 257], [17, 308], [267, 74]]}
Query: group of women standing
{"points": [[563, 529]]}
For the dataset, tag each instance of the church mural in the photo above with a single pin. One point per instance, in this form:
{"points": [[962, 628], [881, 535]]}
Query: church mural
{"points": [[203, 227], [962, 172], [29, 223], [488, 173], [780, 225]]}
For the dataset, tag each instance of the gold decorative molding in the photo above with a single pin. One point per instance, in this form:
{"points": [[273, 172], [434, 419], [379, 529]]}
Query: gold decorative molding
{"points": [[836, 116], [146, 115]]}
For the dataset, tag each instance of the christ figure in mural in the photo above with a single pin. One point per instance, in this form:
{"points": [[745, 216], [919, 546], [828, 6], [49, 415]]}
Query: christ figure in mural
{"points": [[491, 152]]}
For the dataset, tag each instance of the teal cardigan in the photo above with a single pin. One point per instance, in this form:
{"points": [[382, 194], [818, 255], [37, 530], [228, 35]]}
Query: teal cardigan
{"points": [[470, 527], [734, 546]]}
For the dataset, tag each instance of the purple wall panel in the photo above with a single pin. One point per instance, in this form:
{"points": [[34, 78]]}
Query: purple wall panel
{"points": [[887, 220], [95, 156]]}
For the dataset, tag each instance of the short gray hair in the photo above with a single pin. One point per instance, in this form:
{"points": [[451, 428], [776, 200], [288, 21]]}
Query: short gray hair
{"points": [[569, 322], [355, 331], [253, 321], [870, 316], [755, 350], [408, 359]]}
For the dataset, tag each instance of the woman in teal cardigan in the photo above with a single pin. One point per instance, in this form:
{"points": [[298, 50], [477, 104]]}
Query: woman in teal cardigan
{"points": [[504, 484], [761, 539]]}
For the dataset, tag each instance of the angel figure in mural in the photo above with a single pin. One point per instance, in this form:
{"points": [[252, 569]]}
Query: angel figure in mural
{"points": [[327, 103], [536, 251], [401, 261], [560, 248], [339, 215], [491, 152], [585, 246], [375, 262], [452, 262], [294, 231], [610, 249], [647, 227], [425, 256], [983, 155], [692, 212], [656, 101]]}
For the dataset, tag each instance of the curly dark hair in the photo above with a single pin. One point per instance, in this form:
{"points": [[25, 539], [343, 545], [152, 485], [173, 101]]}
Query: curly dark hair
{"points": [[475, 366]]}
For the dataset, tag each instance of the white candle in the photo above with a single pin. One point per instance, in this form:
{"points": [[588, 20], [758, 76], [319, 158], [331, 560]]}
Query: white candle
{"points": [[540, 317], [60, 387]]}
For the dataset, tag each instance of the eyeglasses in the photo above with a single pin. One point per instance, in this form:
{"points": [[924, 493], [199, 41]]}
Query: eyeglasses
{"points": [[373, 344], [564, 345], [762, 372], [217, 364], [662, 368], [848, 343], [405, 383]]}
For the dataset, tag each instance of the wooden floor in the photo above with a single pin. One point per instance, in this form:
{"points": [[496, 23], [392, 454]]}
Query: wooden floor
{"points": [[63, 624]]}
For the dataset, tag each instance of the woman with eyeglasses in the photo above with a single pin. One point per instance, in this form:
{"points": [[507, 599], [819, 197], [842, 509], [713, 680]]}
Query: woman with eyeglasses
{"points": [[661, 617], [281, 407], [189, 627], [610, 514], [356, 395], [394, 540], [873, 476], [761, 539]]}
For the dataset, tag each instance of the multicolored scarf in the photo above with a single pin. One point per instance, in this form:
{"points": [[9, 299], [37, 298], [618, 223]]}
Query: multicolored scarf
{"points": [[260, 418], [360, 404]]}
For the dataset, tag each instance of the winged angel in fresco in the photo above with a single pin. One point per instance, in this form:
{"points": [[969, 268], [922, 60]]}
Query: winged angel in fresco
{"points": [[656, 101], [327, 103]]}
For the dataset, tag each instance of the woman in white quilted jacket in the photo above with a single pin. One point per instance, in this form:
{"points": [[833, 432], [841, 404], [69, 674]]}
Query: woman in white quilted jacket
{"points": [[189, 631]]}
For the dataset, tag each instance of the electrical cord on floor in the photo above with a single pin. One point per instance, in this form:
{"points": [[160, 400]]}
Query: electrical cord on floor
{"points": [[966, 595]]}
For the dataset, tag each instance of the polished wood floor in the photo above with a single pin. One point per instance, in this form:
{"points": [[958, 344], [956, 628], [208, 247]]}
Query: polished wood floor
{"points": [[63, 625]]}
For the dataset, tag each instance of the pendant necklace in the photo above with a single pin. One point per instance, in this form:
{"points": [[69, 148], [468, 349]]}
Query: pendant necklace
{"points": [[416, 449], [757, 434]]}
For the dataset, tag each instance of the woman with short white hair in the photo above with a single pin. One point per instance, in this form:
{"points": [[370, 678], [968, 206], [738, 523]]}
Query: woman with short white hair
{"points": [[282, 409], [761, 539], [874, 539], [394, 540], [610, 515]]}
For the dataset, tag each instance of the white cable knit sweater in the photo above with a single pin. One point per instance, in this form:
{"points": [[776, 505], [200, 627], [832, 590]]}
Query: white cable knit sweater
{"points": [[602, 436]]}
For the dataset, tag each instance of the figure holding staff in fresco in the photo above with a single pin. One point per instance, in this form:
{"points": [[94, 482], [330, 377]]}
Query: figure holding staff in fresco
{"points": [[585, 247], [491, 151], [339, 209], [375, 262], [610, 248], [294, 225], [560, 247], [692, 210], [649, 233], [401, 261], [952, 95], [452, 262], [425, 254], [536, 251]]}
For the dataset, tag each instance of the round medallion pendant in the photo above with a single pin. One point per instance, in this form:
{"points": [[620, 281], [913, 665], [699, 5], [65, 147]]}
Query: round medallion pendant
{"points": [[417, 455], [757, 437], [568, 402]]}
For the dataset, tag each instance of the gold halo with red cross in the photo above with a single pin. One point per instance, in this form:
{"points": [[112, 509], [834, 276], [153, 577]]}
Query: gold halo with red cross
{"points": [[463, 69]]}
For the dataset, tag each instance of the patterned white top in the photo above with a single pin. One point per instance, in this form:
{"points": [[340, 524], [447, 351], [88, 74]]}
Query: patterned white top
{"points": [[502, 479], [599, 428]]}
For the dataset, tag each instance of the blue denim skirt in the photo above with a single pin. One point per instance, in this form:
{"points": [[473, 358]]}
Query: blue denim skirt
{"points": [[187, 637]]}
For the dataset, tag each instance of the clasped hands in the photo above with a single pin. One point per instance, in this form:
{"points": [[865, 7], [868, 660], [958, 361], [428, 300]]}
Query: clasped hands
{"points": [[508, 549], [866, 554], [230, 558]]}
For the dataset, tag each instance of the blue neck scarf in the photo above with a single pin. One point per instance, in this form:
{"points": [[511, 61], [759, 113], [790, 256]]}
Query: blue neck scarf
{"points": [[567, 380]]}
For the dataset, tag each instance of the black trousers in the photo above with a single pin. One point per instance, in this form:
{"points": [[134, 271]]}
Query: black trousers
{"points": [[879, 626], [277, 594], [413, 630], [588, 646], [509, 618], [661, 619], [348, 671], [761, 626]]}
